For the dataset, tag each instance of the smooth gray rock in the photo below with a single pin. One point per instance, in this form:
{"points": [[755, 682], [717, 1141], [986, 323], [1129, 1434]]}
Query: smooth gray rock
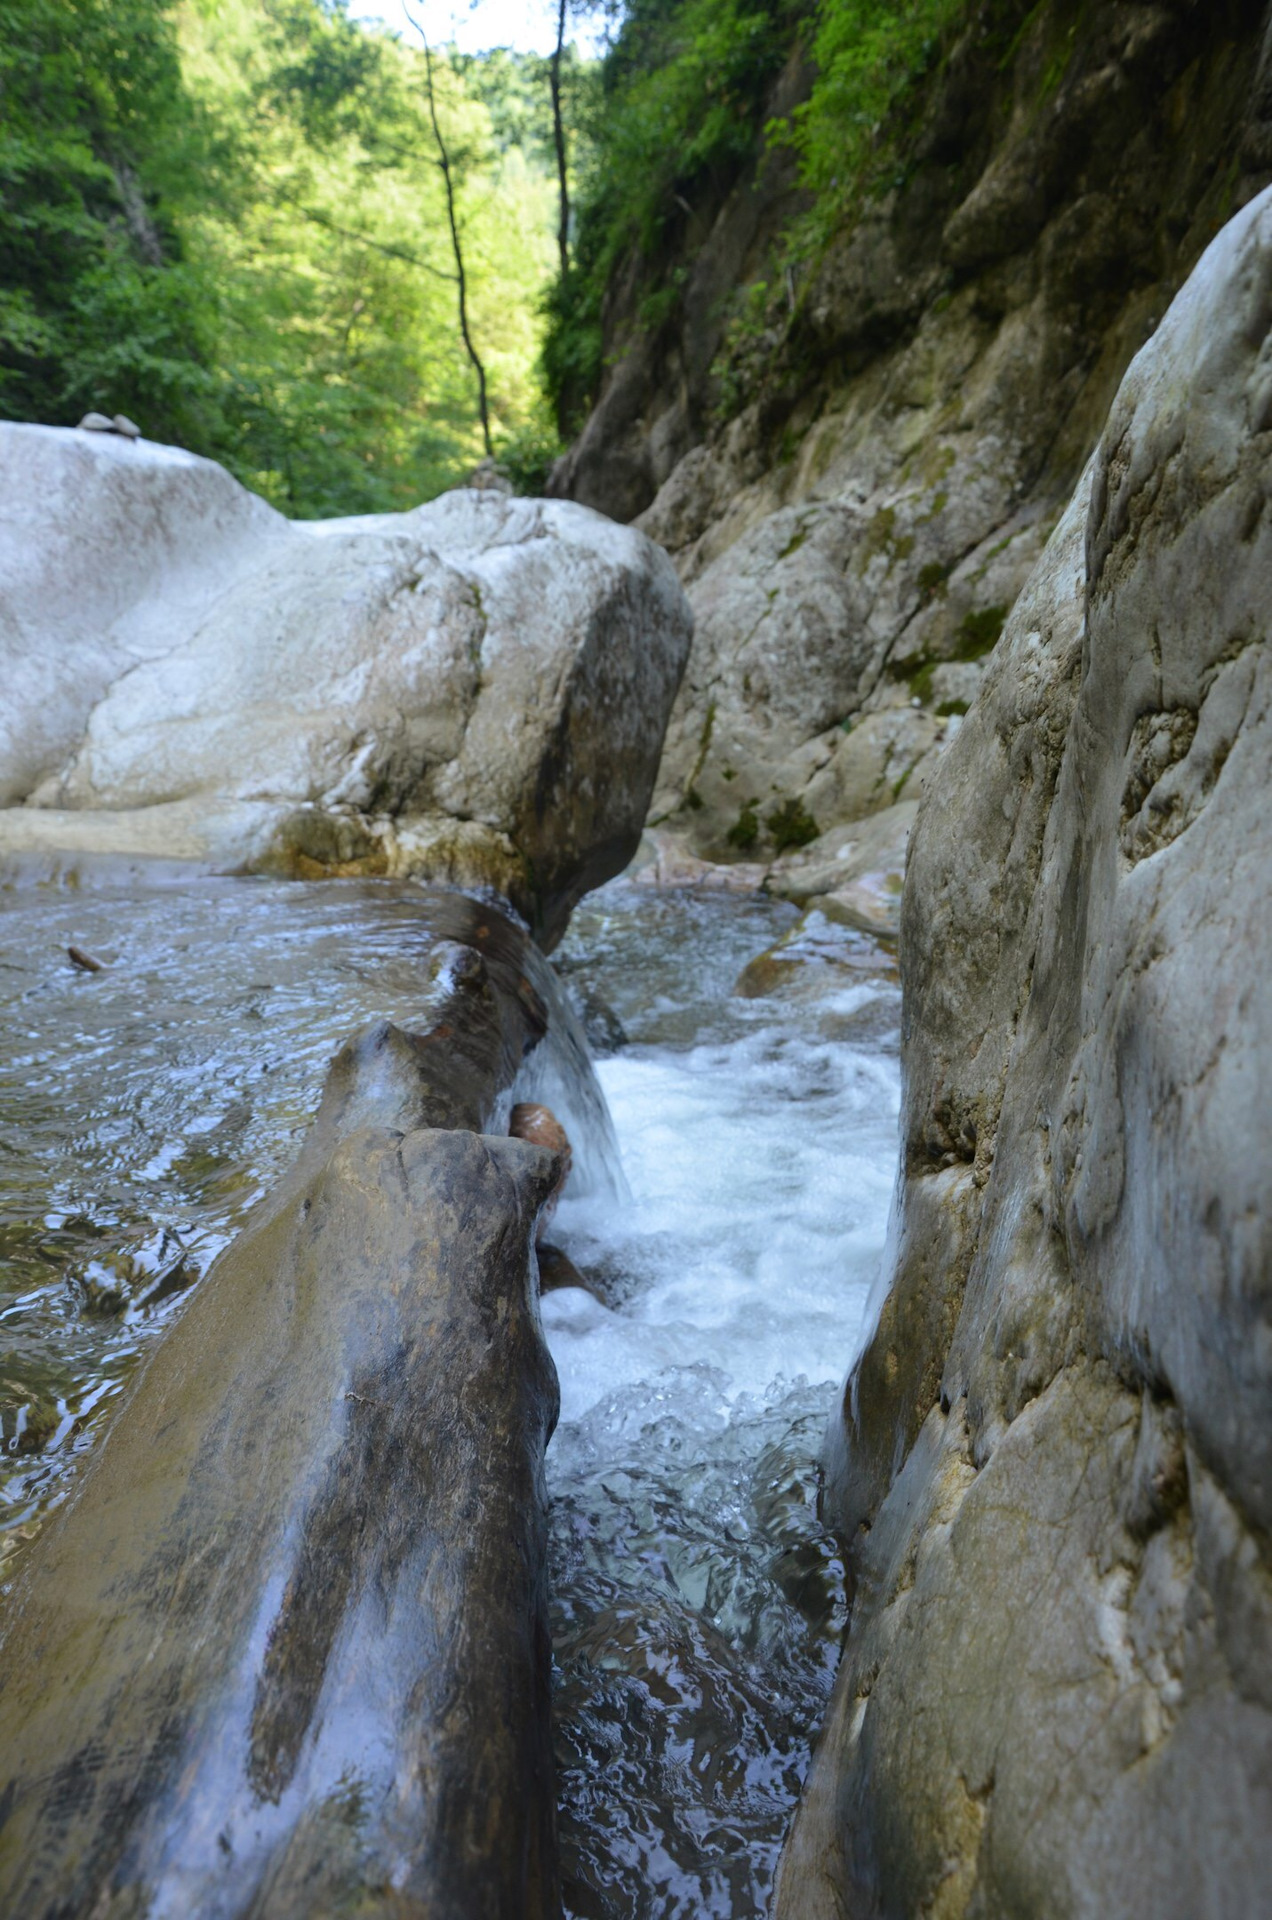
{"points": [[1053, 1465], [285, 1650], [475, 691]]}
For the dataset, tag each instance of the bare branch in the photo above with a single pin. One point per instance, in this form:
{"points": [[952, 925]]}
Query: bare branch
{"points": [[558, 134], [365, 239], [460, 277]]}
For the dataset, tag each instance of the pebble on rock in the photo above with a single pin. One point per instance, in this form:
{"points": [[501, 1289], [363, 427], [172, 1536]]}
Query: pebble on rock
{"points": [[104, 423], [540, 1126]]}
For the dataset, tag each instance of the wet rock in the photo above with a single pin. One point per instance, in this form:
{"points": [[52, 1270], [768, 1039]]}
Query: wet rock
{"points": [[665, 861], [285, 1650], [867, 461], [816, 957], [855, 874], [1053, 1461], [605, 1032], [557, 1270], [474, 691], [539, 1125]]}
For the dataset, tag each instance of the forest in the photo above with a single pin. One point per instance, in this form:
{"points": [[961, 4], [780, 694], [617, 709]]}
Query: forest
{"points": [[228, 219]]}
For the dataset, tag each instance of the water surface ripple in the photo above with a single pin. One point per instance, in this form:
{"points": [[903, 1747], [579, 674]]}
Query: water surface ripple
{"points": [[697, 1605]]}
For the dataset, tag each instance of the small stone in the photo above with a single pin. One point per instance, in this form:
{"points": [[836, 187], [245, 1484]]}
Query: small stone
{"points": [[128, 428], [96, 423]]}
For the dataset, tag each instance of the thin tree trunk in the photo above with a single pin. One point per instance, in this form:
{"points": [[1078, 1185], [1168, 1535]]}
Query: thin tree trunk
{"points": [[460, 276], [558, 132]]}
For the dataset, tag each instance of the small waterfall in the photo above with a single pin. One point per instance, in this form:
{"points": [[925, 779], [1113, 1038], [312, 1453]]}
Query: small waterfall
{"points": [[561, 1074]]}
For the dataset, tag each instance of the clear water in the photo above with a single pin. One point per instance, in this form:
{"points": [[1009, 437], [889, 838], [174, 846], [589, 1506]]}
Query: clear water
{"points": [[145, 1108], [697, 1604]]}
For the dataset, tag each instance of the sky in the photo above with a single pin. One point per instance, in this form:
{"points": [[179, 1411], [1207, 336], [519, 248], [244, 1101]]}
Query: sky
{"points": [[474, 25]]}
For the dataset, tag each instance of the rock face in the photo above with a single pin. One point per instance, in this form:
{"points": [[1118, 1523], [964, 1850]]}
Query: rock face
{"points": [[1054, 1463], [868, 466], [286, 1650], [473, 691]]}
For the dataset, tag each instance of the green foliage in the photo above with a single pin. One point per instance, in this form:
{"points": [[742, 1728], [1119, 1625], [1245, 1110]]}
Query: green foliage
{"points": [[226, 219], [678, 104], [867, 52], [791, 825], [527, 455], [979, 631], [99, 148], [745, 830]]}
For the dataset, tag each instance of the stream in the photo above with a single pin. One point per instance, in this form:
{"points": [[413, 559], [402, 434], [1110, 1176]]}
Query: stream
{"points": [[697, 1606]]}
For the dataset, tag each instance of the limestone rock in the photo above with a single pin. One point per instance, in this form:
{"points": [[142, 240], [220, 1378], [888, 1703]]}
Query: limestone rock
{"points": [[1053, 1462], [855, 874], [285, 1650], [857, 462], [474, 691]]}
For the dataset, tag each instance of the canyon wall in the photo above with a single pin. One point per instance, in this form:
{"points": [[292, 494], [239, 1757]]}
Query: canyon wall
{"points": [[856, 458], [1053, 1464]]}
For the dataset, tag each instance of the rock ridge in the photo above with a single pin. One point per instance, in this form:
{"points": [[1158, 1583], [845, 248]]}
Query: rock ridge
{"points": [[473, 692], [1053, 1461]]}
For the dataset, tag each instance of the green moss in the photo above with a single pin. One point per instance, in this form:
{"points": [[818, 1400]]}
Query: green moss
{"points": [[728, 773], [745, 830], [949, 707], [932, 579], [693, 800], [794, 544], [791, 825], [920, 680], [898, 786], [979, 632]]}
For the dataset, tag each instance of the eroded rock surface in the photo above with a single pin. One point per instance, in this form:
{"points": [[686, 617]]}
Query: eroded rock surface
{"points": [[286, 1652], [857, 455], [1054, 1463], [475, 691]]}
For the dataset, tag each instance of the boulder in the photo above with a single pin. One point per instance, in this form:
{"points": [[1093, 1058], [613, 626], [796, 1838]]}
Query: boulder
{"points": [[285, 1651], [1053, 1460], [474, 691]]}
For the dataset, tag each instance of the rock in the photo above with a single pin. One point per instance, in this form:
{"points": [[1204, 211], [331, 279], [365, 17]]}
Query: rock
{"points": [[474, 691], [864, 862], [128, 428], [1053, 1461], [857, 463], [538, 1124], [96, 423], [816, 957], [605, 1032], [665, 861], [285, 1650]]}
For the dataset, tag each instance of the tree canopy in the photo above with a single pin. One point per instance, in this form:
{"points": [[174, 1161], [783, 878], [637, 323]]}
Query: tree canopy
{"points": [[226, 219]]}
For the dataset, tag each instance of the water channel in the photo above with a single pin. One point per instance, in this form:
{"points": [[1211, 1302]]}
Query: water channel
{"points": [[697, 1604]]}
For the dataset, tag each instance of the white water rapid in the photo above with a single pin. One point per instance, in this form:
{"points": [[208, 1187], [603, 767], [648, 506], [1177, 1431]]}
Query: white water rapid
{"points": [[697, 1605]]}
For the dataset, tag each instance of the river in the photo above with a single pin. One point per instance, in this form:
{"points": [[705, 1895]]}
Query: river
{"points": [[697, 1604]]}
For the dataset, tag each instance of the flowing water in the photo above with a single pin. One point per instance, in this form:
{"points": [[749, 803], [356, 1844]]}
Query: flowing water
{"points": [[714, 1298]]}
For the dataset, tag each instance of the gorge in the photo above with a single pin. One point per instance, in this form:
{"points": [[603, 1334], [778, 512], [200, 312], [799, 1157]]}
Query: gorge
{"points": [[932, 1040]]}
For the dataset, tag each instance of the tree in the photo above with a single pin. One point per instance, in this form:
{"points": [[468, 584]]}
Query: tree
{"points": [[558, 138], [461, 278]]}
